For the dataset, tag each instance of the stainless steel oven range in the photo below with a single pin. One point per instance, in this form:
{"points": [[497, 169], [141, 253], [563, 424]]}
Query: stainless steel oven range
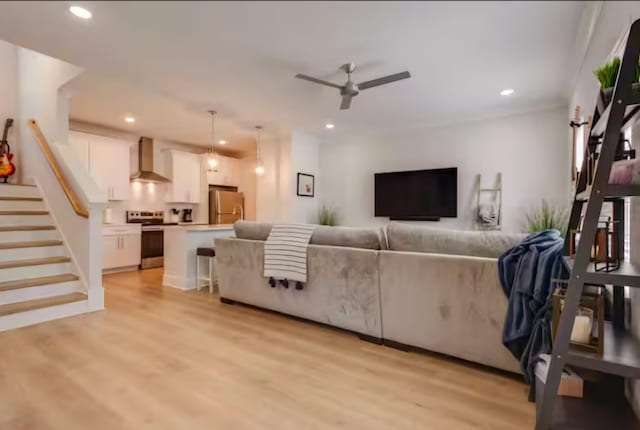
{"points": [[152, 248]]}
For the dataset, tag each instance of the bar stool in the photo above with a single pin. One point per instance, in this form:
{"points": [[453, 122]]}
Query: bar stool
{"points": [[210, 255]]}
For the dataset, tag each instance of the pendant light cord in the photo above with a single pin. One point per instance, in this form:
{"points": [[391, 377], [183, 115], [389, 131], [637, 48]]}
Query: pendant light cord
{"points": [[213, 149], [258, 152]]}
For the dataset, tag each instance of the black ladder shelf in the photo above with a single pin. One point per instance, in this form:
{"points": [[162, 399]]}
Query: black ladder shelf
{"points": [[621, 354]]}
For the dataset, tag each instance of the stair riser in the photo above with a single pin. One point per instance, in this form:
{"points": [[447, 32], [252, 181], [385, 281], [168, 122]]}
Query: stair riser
{"points": [[23, 319], [18, 191], [39, 292], [28, 236], [30, 253], [30, 272], [9, 220], [20, 205]]}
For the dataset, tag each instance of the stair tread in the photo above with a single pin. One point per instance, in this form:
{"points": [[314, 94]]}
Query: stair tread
{"points": [[35, 282], [21, 199], [30, 244], [24, 212], [30, 305], [26, 228], [33, 262]]}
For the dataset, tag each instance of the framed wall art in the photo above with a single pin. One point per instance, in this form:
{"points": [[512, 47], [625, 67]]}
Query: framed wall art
{"points": [[306, 185]]}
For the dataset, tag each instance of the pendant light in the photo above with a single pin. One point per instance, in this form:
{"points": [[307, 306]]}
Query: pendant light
{"points": [[259, 165], [212, 159]]}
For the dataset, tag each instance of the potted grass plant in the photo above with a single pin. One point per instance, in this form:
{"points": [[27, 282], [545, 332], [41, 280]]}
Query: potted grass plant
{"points": [[607, 75], [327, 216], [547, 217]]}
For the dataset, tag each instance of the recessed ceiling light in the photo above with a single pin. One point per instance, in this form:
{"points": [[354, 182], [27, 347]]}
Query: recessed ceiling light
{"points": [[329, 125], [507, 92], [129, 119], [80, 12], [222, 142]]}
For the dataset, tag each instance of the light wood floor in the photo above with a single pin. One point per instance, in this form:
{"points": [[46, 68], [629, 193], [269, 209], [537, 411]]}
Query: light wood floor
{"points": [[159, 358]]}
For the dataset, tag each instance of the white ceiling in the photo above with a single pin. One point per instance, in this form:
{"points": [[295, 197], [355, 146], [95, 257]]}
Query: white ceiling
{"points": [[166, 63]]}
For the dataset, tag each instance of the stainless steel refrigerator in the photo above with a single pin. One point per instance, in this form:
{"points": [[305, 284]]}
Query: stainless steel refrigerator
{"points": [[225, 207]]}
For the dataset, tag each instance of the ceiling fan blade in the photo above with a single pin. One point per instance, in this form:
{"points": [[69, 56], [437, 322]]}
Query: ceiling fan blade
{"points": [[384, 80], [318, 81], [346, 102]]}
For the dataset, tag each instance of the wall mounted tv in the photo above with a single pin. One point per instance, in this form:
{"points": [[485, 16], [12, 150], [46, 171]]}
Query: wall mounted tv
{"points": [[419, 195]]}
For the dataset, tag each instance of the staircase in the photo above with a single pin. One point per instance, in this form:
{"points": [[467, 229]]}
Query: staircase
{"points": [[38, 280]]}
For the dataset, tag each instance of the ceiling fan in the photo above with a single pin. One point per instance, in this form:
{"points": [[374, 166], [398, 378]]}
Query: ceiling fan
{"points": [[350, 89]]}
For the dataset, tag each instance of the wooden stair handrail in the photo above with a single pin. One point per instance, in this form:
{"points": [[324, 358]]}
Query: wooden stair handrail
{"points": [[53, 163]]}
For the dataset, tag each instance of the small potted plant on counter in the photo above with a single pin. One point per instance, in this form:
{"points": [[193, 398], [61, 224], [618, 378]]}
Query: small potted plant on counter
{"points": [[607, 75]]}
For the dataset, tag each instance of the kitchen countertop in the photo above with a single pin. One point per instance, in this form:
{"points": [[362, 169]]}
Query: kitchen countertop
{"points": [[201, 227]]}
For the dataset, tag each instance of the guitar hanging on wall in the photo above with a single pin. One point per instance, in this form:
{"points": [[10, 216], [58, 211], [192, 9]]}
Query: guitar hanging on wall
{"points": [[7, 167]]}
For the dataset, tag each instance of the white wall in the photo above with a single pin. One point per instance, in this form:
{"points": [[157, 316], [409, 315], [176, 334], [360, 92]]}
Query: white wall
{"points": [[529, 150], [305, 158], [283, 156], [9, 94], [39, 97], [272, 188]]}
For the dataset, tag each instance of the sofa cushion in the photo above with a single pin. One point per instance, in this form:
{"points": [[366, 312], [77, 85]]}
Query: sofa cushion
{"points": [[492, 244], [365, 238], [252, 230]]}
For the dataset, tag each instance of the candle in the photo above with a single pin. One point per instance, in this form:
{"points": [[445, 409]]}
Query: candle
{"points": [[581, 332]]}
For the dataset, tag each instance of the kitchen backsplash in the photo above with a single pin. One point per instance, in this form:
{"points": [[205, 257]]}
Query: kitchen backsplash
{"points": [[150, 197]]}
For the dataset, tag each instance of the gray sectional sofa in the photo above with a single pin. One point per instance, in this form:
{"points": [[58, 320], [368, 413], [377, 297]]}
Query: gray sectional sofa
{"points": [[411, 286]]}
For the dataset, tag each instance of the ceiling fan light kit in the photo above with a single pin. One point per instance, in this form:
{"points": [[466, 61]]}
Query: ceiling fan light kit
{"points": [[350, 89]]}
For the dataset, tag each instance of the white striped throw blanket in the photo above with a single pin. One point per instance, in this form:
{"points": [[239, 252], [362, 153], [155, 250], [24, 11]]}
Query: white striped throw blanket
{"points": [[285, 252]]}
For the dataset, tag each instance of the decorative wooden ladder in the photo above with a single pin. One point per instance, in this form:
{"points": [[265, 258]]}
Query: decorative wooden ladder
{"points": [[621, 354]]}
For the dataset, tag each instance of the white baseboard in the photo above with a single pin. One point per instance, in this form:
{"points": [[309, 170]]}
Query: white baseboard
{"points": [[179, 282]]}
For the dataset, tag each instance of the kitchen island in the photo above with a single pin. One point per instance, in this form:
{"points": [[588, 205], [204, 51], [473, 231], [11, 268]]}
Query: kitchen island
{"points": [[180, 245]]}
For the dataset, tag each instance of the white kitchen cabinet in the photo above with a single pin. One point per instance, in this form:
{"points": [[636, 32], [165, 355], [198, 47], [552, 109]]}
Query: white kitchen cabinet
{"points": [[185, 177], [107, 160], [121, 247], [228, 172], [109, 166]]}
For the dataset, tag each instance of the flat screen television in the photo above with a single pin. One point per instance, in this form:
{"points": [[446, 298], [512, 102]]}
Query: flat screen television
{"points": [[417, 194]]}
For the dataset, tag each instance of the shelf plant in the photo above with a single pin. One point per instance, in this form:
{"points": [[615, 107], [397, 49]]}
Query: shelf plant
{"points": [[607, 75]]}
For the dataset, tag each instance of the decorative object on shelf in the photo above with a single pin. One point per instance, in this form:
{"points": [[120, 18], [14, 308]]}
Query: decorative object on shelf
{"points": [[588, 327], [607, 75], [489, 205], [624, 152], [571, 384], [327, 216], [259, 165], [547, 217], [7, 168], [212, 160], [606, 246], [306, 186]]}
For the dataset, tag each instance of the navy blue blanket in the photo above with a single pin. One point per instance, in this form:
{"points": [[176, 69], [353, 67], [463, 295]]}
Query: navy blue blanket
{"points": [[526, 272]]}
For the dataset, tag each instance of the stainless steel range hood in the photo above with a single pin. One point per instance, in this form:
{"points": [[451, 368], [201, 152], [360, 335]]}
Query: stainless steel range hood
{"points": [[145, 163]]}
